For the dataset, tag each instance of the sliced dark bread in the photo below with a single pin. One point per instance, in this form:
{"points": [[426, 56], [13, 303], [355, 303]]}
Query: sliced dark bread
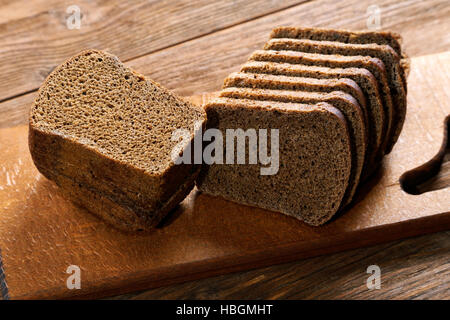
{"points": [[311, 180], [275, 82], [373, 65], [392, 39], [346, 103], [358, 37], [378, 121], [374, 113], [385, 53], [268, 81], [102, 132]]}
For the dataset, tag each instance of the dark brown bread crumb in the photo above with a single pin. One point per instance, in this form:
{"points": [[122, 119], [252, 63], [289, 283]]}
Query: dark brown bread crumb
{"points": [[373, 65], [103, 132], [311, 181], [376, 118], [340, 100], [385, 53]]}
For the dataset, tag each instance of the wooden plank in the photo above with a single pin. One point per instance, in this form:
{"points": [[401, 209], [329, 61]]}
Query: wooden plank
{"points": [[15, 111], [35, 37], [415, 268], [41, 234], [201, 65]]}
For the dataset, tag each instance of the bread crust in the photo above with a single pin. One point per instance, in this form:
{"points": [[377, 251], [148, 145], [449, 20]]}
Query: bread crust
{"points": [[392, 39]]}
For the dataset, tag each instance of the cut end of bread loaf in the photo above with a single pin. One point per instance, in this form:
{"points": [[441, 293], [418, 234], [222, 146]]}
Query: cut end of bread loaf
{"points": [[95, 100], [107, 130]]}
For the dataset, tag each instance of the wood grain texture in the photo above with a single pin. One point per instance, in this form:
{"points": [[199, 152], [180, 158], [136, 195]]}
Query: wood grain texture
{"points": [[440, 181], [415, 268], [41, 234], [433, 174], [36, 38], [203, 70], [15, 112], [199, 65]]}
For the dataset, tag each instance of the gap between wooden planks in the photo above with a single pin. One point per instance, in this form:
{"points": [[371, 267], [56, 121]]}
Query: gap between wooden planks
{"points": [[201, 64], [415, 268]]}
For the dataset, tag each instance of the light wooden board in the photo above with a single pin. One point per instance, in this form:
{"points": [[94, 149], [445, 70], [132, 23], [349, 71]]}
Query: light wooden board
{"points": [[41, 234]]}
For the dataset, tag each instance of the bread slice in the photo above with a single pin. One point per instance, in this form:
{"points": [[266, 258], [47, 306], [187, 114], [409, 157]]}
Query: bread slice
{"points": [[383, 52], [310, 182], [392, 39], [391, 60], [373, 65], [266, 81], [103, 133], [340, 100], [377, 121]]}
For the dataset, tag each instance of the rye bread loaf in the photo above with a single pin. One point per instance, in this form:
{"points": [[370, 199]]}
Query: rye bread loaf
{"points": [[377, 122], [102, 132], [340, 100], [311, 180], [391, 60], [373, 65], [392, 39]]}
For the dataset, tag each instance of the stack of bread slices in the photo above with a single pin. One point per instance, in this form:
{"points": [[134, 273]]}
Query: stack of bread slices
{"points": [[338, 99]]}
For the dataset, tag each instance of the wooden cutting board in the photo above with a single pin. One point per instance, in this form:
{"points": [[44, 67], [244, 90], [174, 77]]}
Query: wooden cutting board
{"points": [[41, 234]]}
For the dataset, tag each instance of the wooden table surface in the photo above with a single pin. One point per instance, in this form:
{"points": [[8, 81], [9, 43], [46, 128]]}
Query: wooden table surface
{"points": [[190, 47]]}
